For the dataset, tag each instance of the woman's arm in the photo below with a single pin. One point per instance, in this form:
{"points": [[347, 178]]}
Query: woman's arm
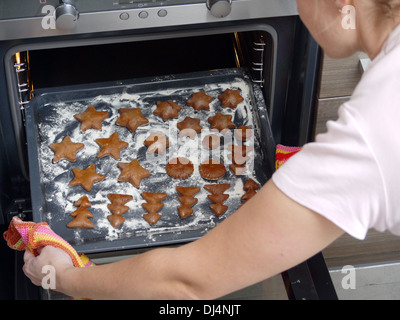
{"points": [[268, 235]]}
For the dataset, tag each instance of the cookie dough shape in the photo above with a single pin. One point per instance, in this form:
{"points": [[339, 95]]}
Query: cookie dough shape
{"points": [[131, 118], [221, 122], [251, 188], [156, 143], [66, 149], [81, 215], [167, 109], [91, 118], [86, 178], [189, 127], [117, 208], [212, 169], [218, 197], [230, 98], [180, 168], [132, 172], [200, 101], [152, 205], [187, 200], [111, 146]]}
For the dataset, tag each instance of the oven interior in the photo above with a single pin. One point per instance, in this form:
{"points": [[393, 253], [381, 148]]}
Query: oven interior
{"points": [[71, 65]]}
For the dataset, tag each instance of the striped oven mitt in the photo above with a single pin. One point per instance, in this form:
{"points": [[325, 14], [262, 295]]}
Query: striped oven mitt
{"points": [[283, 153], [24, 234]]}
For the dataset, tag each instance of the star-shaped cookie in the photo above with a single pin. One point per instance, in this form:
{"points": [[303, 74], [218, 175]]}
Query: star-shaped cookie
{"points": [[156, 143], [86, 178], [91, 118], [167, 109], [200, 101], [221, 121], [132, 172], [65, 149], [189, 127], [111, 146], [131, 118], [230, 98]]}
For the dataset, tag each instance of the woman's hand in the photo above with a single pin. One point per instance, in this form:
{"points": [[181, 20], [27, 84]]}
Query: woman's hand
{"points": [[48, 256]]}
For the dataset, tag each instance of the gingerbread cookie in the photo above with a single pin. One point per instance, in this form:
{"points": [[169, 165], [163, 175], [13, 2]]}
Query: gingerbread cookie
{"points": [[86, 178], [91, 118], [84, 201], [200, 101], [221, 122], [187, 200], [212, 169], [230, 98], [251, 188], [156, 143], [118, 208], [131, 118], [132, 172], [180, 168], [218, 197], [167, 109], [81, 215], [152, 206], [65, 149], [111, 146], [189, 127]]}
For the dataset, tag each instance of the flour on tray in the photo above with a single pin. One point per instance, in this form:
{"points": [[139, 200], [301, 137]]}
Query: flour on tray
{"points": [[56, 120]]}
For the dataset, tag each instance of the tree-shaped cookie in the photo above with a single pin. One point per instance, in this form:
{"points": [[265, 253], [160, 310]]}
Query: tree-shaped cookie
{"points": [[152, 205], [218, 197], [250, 187], [81, 215], [117, 208], [187, 200]]}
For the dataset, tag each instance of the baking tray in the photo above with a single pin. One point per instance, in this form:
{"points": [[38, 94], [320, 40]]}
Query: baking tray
{"points": [[49, 118]]}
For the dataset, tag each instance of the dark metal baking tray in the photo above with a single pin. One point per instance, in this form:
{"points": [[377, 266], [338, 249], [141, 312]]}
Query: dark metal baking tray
{"points": [[49, 118]]}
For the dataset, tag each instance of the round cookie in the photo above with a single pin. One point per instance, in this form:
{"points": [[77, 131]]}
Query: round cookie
{"points": [[180, 168], [212, 169]]}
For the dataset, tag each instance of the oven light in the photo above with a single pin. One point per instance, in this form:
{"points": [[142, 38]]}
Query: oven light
{"points": [[18, 58]]}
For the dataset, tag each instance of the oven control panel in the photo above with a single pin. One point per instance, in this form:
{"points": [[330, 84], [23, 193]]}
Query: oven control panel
{"points": [[43, 18]]}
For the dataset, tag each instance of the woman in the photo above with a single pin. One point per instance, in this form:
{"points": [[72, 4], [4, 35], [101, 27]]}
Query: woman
{"points": [[344, 182]]}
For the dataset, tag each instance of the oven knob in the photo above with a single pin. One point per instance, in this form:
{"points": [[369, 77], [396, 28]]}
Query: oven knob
{"points": [[219, 8], [66, 16]]}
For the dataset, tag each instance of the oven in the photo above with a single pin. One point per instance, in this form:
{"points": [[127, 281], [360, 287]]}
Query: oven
{"points": [[57, 53]]}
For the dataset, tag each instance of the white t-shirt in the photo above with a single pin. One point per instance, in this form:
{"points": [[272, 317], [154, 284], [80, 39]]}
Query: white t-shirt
{"points": [[351, 174]]}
